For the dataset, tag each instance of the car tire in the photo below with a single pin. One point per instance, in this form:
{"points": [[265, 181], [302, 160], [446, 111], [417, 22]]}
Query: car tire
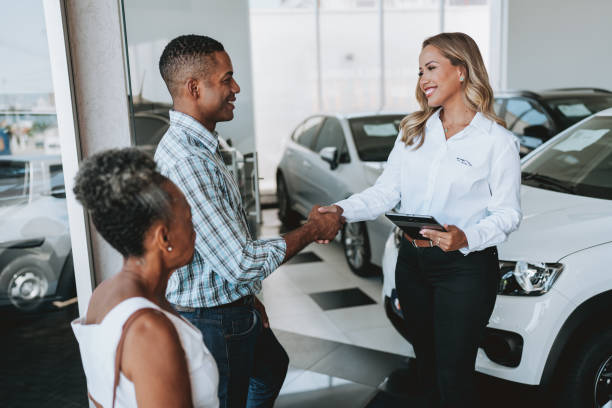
{"points": [[25, 281], [356, 245], [288, 216], [588, 382], [66, 286]]}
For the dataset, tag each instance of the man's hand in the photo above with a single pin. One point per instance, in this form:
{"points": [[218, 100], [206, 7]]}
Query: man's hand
{"points": [[326, 223], [321, 227], [451, 240], [330, 209], [262, 311]]}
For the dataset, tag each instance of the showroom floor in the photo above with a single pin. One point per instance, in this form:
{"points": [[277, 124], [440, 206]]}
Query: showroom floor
{"points": [[343, 352]]}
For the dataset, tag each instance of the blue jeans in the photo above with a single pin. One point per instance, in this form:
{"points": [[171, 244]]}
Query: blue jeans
{"points": [[252, 363]]}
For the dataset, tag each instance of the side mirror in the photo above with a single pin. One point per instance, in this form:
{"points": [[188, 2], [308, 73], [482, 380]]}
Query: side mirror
{"points": [[330, 155], [58, 192]]}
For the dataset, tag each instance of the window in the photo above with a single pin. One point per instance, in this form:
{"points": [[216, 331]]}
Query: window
{"points": [[374, 136], [13, 182], [309, 131], [579, 162], [522, 113], [332, 135], [498, 106], [148, 130]]}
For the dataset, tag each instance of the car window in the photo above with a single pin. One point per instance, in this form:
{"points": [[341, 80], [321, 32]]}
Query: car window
{"points": [[579, 161], [56, 174], [309, 131], [374, 136], [498, 105], [522, 113], [148, 130], [332, 135], [13, 182], [572, 110]]}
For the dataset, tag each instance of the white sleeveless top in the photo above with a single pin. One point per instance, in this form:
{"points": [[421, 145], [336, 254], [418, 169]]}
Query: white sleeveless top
{"points": [[98, 346]]}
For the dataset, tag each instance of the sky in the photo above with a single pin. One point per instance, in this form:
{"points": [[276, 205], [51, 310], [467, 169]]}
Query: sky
{"points": [[24, 53]]}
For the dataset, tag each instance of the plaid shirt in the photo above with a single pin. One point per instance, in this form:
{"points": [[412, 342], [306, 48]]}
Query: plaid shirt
{"points": [[228, 264]]}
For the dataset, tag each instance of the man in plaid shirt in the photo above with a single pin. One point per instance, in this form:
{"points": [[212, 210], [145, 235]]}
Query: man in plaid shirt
{"points": [[216, 291]]}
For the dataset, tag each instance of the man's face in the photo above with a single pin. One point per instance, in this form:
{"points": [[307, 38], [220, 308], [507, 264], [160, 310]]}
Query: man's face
{"points": [[219, 89]]}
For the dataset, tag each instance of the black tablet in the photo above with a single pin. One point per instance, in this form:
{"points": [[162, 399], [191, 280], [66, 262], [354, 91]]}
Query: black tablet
{"points": [[412, 224]]}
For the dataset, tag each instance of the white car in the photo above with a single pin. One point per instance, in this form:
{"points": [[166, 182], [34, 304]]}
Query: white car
{"points": [[552, 322]]}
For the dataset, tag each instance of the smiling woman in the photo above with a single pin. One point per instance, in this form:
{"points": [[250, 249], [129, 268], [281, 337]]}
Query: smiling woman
{"points": [[452, 160]]}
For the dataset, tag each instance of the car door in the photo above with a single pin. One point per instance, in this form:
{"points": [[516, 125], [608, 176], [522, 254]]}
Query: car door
{"points": [[299, 156], [329, 184]]}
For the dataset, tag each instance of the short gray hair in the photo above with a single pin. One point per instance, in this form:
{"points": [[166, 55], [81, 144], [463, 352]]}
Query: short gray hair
{"points": [[124, 194]]}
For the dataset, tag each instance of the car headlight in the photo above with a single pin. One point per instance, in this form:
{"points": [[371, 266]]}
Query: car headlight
{"points": [[397, 236], [527, 279]]}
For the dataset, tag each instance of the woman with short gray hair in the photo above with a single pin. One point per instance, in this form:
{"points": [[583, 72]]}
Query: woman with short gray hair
{"points": [[136, 350]]}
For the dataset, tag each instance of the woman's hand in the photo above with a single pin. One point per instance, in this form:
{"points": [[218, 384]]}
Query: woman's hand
{"points": [[451, 240]]}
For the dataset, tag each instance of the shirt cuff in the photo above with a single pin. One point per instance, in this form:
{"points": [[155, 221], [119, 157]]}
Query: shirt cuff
{"points": [[473, 240], [347, 210], [279, 251]]}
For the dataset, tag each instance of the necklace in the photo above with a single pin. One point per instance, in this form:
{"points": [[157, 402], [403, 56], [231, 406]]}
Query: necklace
{"points": [[446, 128]]}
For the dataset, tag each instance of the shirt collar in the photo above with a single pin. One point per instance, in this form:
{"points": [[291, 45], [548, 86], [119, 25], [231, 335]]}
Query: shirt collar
{"points": [[479, 121], [195, 129]]}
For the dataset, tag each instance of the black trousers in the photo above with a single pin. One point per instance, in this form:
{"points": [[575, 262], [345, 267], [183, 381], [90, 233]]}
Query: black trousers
{"points": [[447, 299]]}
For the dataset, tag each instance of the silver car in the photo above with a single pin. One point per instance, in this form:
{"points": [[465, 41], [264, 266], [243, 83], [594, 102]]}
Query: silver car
{"points": [[35, 252], [330, 157]]}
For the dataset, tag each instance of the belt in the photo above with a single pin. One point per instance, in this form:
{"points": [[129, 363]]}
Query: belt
{"points": [[419, 243], [247, 300]]}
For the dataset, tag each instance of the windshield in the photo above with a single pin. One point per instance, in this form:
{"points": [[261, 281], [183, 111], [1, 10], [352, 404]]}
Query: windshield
{"points": [[569, 111], [374, 136], [578, 162], [13, 182]]}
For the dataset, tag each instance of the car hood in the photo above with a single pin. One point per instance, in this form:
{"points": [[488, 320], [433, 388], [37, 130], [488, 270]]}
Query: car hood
{"points": [[556, 224], [44, 217]]}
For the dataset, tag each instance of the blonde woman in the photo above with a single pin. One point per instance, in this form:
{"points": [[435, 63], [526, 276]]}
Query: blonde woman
{"points": [[453, 160]]}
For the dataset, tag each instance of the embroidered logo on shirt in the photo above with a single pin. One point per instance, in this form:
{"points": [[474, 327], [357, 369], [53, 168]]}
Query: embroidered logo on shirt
{"points": [[464, 162]]}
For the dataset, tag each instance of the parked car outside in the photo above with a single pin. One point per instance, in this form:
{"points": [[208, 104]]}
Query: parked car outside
{"points": [[552, 322], [35, 252], [330, 157], [535, 117]]}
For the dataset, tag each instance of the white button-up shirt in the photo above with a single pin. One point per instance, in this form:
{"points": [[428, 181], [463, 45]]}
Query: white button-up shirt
{"points": [[472, 181]]}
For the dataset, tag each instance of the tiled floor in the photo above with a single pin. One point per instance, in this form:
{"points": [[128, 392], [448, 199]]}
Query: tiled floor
{"points": [[305, 298]]}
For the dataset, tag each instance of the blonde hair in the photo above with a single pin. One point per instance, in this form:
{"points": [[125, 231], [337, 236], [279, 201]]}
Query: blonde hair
{"points": [[461, 50]]}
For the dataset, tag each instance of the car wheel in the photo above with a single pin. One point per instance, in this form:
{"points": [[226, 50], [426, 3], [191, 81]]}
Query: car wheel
{"points": [[589, 380], [357, 248], [25, 283], [286, 214]]}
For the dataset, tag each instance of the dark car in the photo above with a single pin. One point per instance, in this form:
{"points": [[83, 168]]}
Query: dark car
{"points": [[535, 117]]}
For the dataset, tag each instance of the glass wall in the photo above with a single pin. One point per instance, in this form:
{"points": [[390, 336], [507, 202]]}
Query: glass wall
{"points": [[149, 27], [37, 284], [35, 251], [328, 56]]}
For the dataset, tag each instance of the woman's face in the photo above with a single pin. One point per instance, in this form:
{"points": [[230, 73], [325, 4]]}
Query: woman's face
{"points": [[181, 234], [438, 78]]}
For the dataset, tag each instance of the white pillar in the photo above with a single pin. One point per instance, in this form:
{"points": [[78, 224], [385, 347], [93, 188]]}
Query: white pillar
{"points": [[89, 75]]}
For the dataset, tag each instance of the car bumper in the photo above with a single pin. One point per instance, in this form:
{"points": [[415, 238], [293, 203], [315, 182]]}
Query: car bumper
{"points": [[519, 335]]}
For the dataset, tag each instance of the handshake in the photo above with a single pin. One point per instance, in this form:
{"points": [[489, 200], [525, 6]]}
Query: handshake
{"points": [[325, 222]]}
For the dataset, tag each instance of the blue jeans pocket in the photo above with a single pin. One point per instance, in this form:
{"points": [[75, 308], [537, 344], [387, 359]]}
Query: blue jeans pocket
{"points": [[243, 326]]}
